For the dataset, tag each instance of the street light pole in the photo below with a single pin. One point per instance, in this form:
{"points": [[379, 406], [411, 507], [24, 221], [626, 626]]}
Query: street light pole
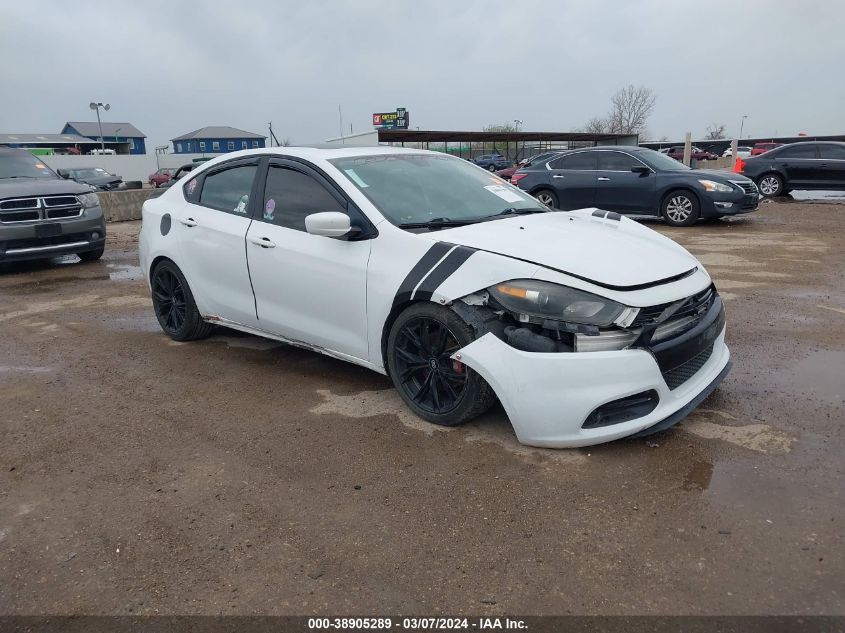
{"points": [[742, 125], [518, 122], [96, 106]]}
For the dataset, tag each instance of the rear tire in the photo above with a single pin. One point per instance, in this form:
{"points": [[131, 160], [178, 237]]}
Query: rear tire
{"points": [[548, 198], [435, 387], [174, 304], [491, 167], [680, 208], [770, 185], [92, 256]]}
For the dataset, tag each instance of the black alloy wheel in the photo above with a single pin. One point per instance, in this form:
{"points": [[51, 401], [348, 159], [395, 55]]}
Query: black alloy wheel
{"points": [[426, 374], [174, 304], [169, 300]]}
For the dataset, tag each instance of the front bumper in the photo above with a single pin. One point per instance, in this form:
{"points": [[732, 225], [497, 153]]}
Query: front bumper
{"points": [[548, 397], [21, 241], [714, 205]]}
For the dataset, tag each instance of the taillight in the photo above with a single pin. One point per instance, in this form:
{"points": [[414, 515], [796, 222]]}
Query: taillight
{"points": [[516, 178]]}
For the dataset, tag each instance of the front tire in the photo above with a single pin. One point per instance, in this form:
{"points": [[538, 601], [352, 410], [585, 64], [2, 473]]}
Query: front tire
{"points": [[433, 385], [770, 185], [548, 198], [92, 256], [174, 304], [491, 168], [680, 208]]}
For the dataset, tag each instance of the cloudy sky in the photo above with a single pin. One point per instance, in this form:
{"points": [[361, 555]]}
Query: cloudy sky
{"points": [[171, 67]]}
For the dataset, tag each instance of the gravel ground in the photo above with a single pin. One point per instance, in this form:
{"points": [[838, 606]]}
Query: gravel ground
{"points": [[236, 475]]}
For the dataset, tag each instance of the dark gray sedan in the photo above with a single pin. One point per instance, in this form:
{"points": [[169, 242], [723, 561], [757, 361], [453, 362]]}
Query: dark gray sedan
{"points": [[637, 181]]}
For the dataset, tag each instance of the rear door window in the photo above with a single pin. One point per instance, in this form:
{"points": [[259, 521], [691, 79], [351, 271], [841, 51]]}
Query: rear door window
{"points": [[798, 151], [229, 189], [580, 161]]}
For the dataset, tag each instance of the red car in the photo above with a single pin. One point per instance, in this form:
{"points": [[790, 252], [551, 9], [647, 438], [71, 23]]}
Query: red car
{"points": [[762, 148], [160, 177], [506, 174]]}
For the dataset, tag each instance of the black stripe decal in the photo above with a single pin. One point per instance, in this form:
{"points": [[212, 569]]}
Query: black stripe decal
{"points": [[442, 272], [420, 269]]}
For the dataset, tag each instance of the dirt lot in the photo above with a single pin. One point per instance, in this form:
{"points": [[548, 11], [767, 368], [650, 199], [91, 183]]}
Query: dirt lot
{"points": [[235, 475]]}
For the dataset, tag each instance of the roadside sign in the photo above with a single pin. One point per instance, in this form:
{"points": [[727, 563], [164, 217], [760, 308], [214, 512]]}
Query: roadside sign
{"points": [[389, 120]]}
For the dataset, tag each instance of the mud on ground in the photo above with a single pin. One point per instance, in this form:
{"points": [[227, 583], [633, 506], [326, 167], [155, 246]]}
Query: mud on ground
{"points": [[236, 475]]}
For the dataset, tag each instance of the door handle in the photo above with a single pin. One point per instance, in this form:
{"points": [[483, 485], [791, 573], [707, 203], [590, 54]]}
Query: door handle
{"points": [[188, 221], [263, 242], [558, 176], [602, 178]]}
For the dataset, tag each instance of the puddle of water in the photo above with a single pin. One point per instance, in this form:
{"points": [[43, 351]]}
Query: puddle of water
{"points": [[699, 476], [125, 272], [492, 427], [762, 438], [822, 373], [23, 370]]}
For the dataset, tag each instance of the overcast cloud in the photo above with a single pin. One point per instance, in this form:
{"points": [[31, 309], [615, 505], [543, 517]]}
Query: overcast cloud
{"points": [[171, 67]]}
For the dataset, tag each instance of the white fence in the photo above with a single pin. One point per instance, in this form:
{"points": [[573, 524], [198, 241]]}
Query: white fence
{"points": [[129, 167]]}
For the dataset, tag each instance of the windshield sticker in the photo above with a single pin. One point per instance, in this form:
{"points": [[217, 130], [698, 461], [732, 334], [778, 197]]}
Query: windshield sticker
{"points": [[505, 193], [269, 209], [356, 178], [191, 186], [40, 166], [241, 208]]}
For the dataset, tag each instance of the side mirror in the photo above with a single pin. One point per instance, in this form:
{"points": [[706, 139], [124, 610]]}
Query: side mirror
{"points": [[642, 170], [63, 173], [328, 224]]}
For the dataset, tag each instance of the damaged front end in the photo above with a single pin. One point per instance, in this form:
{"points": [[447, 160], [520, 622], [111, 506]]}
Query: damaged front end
{"points": [[538, 316]]}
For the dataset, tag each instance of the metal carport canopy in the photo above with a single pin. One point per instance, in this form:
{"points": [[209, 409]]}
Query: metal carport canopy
{"points": [[447, 136]]}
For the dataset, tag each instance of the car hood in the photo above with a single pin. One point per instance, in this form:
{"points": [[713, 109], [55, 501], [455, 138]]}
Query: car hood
{"points": [[618, 254], [99, 180], [24, 187]]}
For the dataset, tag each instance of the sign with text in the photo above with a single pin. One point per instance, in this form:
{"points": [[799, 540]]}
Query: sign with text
{"points": [[389, 120]]}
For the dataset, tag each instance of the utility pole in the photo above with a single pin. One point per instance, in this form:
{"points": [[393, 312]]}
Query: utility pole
{"points": [[94, 105], [742, 125], [340, 117]]}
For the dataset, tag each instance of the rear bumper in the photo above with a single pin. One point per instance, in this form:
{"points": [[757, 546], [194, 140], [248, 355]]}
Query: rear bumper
{"points": [[20, 241]]}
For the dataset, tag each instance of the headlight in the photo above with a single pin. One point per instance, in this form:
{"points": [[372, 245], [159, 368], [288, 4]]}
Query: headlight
{"points": [[712, 185], [546, 300], [88, 200]]}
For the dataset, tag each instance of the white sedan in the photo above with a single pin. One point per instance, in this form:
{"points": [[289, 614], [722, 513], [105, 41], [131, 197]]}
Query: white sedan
{"points": [[463, 289], [742, 151]]}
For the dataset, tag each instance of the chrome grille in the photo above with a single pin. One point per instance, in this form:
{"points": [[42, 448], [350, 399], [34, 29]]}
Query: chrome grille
{"points": [[39, 208], [746, 185]]}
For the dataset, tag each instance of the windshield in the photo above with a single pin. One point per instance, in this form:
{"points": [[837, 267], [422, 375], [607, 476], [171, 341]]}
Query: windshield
{"points": [[660, 162], [93, 172], [419, 188], [23, 165]]}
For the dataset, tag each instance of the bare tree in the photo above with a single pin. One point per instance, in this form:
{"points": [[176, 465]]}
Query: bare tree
{"points": [[596, 125], [715, 132], [285, 142], [630, 109]]}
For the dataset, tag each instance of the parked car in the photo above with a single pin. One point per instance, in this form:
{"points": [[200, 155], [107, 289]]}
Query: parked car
{"points": [[525, 162], [492, 162], [97, 177], [461, 292], [181, 171], [812, 165], [160, 176], [637, 181], [743, 151], [695, 153], [762, 148], [42, 215]]}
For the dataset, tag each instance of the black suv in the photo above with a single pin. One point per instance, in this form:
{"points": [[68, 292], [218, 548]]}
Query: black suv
{"points": [[636, 181], [806, 165], [43, 215]]}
